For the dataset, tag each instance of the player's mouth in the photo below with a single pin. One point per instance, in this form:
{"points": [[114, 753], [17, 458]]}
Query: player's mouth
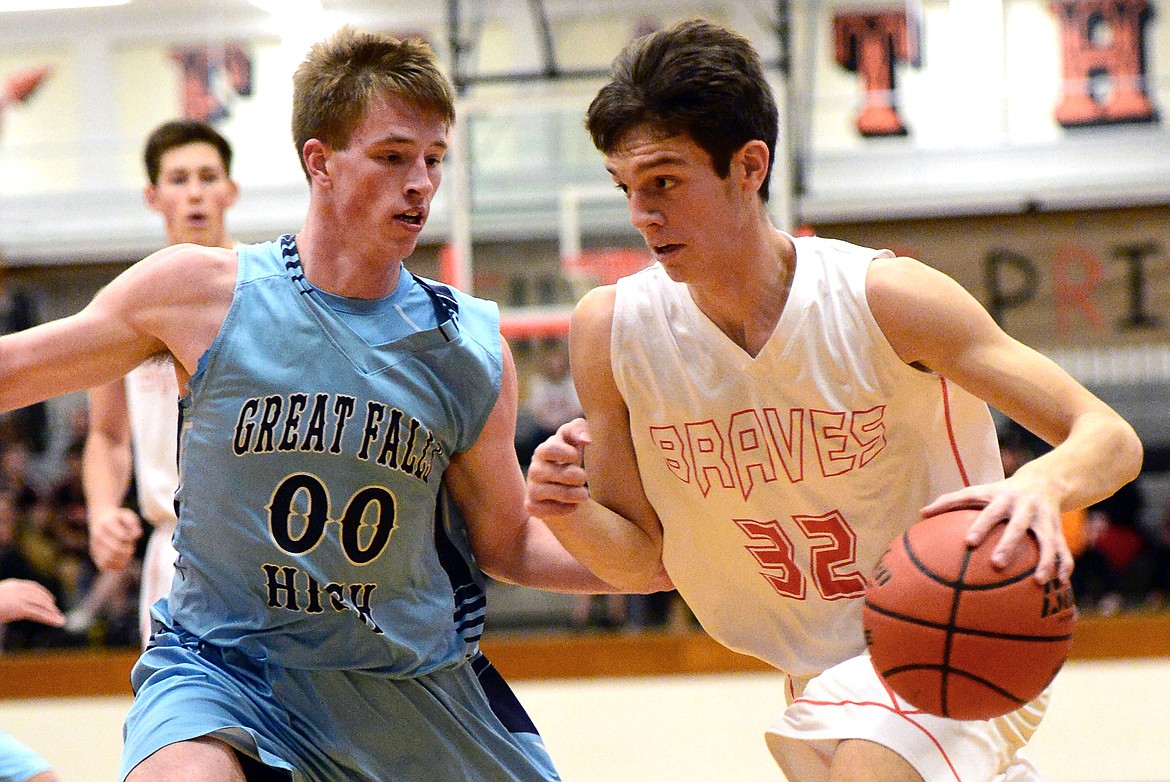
{"points": [[413, 218], [197, 219], [665, 250]]}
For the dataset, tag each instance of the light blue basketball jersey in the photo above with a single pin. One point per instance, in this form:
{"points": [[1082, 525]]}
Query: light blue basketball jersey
{"points": [[312, 531], [17, 762]]}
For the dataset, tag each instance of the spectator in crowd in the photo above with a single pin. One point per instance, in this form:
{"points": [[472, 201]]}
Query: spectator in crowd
{"points": [[16, 473], [14, 565], [1160, 589], [1117, 568], [550, 399], [32, 554]]}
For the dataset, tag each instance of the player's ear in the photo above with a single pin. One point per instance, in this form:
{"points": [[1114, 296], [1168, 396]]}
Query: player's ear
{"points": [[150, 196], [753, 158], [316, 156], [234, 189]]}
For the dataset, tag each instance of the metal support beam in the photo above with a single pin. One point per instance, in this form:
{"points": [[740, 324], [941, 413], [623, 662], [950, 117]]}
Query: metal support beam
{"points": [[462, 45]]}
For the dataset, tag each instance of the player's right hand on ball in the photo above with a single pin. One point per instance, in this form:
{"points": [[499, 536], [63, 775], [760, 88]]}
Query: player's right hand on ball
{"points": [[556, 475], [113, 536]]}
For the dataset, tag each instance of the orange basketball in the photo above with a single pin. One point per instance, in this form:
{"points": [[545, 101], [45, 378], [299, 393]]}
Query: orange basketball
{"points": [[957, 637]]}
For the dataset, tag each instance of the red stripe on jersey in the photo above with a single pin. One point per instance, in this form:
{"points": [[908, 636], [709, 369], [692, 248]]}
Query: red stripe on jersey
{"points": [[946, 400]]}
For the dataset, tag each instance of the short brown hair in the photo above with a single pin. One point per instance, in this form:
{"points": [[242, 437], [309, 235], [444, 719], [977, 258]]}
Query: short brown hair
{"points": [[696, 78], [178, 133], [339, 78]]}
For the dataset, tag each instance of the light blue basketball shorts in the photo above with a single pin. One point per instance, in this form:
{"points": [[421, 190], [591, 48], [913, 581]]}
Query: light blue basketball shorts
{"points": [[17, 762], [456, 725]]}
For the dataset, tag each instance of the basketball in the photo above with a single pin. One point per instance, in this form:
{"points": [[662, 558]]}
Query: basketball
{"points": [[957, 637]]}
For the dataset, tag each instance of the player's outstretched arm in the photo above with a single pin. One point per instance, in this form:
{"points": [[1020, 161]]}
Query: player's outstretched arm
{"points": [[106, 467], [173, 301], [584, 480], [22, 599], [931, 320]]}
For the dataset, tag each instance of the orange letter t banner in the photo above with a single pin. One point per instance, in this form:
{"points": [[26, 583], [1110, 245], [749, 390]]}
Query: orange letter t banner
{"points": [[869, 43]]}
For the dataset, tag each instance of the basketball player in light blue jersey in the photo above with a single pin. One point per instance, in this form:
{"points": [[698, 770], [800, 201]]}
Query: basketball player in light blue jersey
{"points": [[327, 604]]}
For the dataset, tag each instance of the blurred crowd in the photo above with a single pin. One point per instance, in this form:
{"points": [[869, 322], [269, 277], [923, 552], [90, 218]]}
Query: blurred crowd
{"points": [[1121, 545], [43, 538]]}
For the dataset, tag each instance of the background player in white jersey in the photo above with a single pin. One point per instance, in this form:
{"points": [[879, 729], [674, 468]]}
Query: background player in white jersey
{"points": [[766, 413], [21, 599], [133, 422], [324, 620]]}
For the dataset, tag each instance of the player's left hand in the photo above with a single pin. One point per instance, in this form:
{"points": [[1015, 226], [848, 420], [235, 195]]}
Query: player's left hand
{"points": [[1024, 506]]}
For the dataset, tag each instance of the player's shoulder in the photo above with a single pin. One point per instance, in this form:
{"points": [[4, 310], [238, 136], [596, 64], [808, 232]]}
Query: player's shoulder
{"points": [[188, 255], [891, 274], [837, 249], [592, 317], [468, 307], [179, 273], [597, 303]]}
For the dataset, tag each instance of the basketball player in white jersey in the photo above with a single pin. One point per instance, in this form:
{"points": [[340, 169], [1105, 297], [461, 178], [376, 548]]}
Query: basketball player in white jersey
{"points": [[766, 413], [133, 423]]}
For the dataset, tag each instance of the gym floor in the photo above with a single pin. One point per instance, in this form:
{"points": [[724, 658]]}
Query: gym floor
{"points": [[1109, 722]]}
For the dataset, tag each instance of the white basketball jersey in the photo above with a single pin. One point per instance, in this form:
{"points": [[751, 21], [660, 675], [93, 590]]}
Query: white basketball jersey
{"points": [[152, 394], [780, 479]]}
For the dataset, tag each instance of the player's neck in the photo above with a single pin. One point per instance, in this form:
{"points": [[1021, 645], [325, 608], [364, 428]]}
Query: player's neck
{"points": [[747, 304], [346, 268]]}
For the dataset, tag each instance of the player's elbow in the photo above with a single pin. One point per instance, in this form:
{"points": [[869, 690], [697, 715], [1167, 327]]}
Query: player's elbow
{"points": [[1117, 438], [1130, 453], [658, 582], [495, 564], [635, 576]]}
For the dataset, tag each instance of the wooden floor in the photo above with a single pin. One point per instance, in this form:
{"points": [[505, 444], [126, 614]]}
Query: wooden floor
{"points": [[565, 655], [647, 707]]}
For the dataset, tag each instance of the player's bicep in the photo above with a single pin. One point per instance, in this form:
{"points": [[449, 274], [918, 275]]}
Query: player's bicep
{"points": [[589, 354], [610, 460], [932, 321], [485, 481]]}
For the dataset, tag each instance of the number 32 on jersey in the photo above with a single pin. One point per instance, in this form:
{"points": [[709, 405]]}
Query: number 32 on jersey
{"points": [[832, 556]]}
